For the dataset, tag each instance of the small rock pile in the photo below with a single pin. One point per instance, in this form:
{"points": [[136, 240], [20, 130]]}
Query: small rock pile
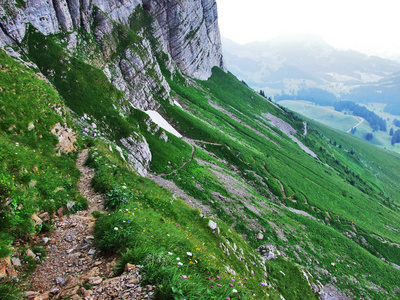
{"points": [[268, 252], [95, 287]]}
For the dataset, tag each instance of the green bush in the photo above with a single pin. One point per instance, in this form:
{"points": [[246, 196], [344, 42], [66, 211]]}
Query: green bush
{"points": [[9, 290], [117, 197]]}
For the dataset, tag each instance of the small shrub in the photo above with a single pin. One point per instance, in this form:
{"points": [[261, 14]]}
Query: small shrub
{"points": [[116, 197]]}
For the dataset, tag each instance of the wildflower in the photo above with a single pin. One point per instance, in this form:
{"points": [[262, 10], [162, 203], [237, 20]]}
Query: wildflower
{"points": [[262, 283], [180, 264], [115, 228], [245, 278], [178, 258], [170, 253], [231, 285], [189, 254], [211, 287], [219, 285], [209, 278], [218, 277], [227, 298], [232, 279], [184, 276], [234, 291]]}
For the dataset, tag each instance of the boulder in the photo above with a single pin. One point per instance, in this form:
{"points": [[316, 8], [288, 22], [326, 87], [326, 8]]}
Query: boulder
{"points": [[212, 225]]}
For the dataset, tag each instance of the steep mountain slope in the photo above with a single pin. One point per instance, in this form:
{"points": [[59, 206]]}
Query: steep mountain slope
{"points": [[251, 202]]}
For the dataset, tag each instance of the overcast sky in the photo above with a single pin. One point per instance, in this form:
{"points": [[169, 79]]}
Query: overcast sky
{"points": [[369, 26]]}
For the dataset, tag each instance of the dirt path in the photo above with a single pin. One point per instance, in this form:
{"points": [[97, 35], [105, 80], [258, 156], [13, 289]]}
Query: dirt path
{"points": [[358, 124], [73, 260], [282, 188], [184, 164]]}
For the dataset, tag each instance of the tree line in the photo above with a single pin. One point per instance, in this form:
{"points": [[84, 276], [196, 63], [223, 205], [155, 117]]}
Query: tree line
{"points": [[315, 95], [396, 137], [376, 122]]}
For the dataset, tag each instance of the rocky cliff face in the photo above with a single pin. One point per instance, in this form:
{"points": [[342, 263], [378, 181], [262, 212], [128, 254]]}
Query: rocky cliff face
{"points": [[187, 29], [190, 31]]}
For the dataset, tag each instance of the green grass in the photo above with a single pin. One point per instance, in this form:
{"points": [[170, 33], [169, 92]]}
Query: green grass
{"points": [[33, 177], [151, 224], [322, 186], [84, 88], [322, 114], [347, 188]]}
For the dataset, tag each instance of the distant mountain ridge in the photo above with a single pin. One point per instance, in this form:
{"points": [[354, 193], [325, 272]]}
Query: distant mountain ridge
{"points": [[289, 64]]}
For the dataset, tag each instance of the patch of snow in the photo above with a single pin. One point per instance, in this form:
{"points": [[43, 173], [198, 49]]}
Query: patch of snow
{"points": [[177, 104], [160, 121]]}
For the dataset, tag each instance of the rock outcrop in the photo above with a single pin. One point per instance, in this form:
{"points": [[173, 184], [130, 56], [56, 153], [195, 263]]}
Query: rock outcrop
{"points": [[187, 30], [139, 153], [190, 31]]}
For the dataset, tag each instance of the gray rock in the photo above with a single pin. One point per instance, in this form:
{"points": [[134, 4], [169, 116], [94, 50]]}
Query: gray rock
{"points": [[45, 240], [139, 153], [60, 281], [42, 15], [95, 280], [30, 253], [212, 224], [70, 205], [92, 252], [184, 25], [186, 30], [55, 291], [75, 10], [16, 262], [63, 14], [259, 236], [31, 294]]}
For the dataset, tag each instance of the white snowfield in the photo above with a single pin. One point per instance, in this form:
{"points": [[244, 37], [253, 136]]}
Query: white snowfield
{"points": [[160, 121]]}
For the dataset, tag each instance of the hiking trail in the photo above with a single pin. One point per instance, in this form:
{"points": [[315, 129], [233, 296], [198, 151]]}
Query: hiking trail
{"points": [[72, 259]]}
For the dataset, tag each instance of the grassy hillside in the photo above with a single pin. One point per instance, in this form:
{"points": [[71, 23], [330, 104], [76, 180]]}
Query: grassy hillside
{"points": [[33, 177], [324, 203]]}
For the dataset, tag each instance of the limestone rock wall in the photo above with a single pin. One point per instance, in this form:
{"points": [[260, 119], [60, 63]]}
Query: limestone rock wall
{"points": [[190, 31], [187, 29], [139, 153]]}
